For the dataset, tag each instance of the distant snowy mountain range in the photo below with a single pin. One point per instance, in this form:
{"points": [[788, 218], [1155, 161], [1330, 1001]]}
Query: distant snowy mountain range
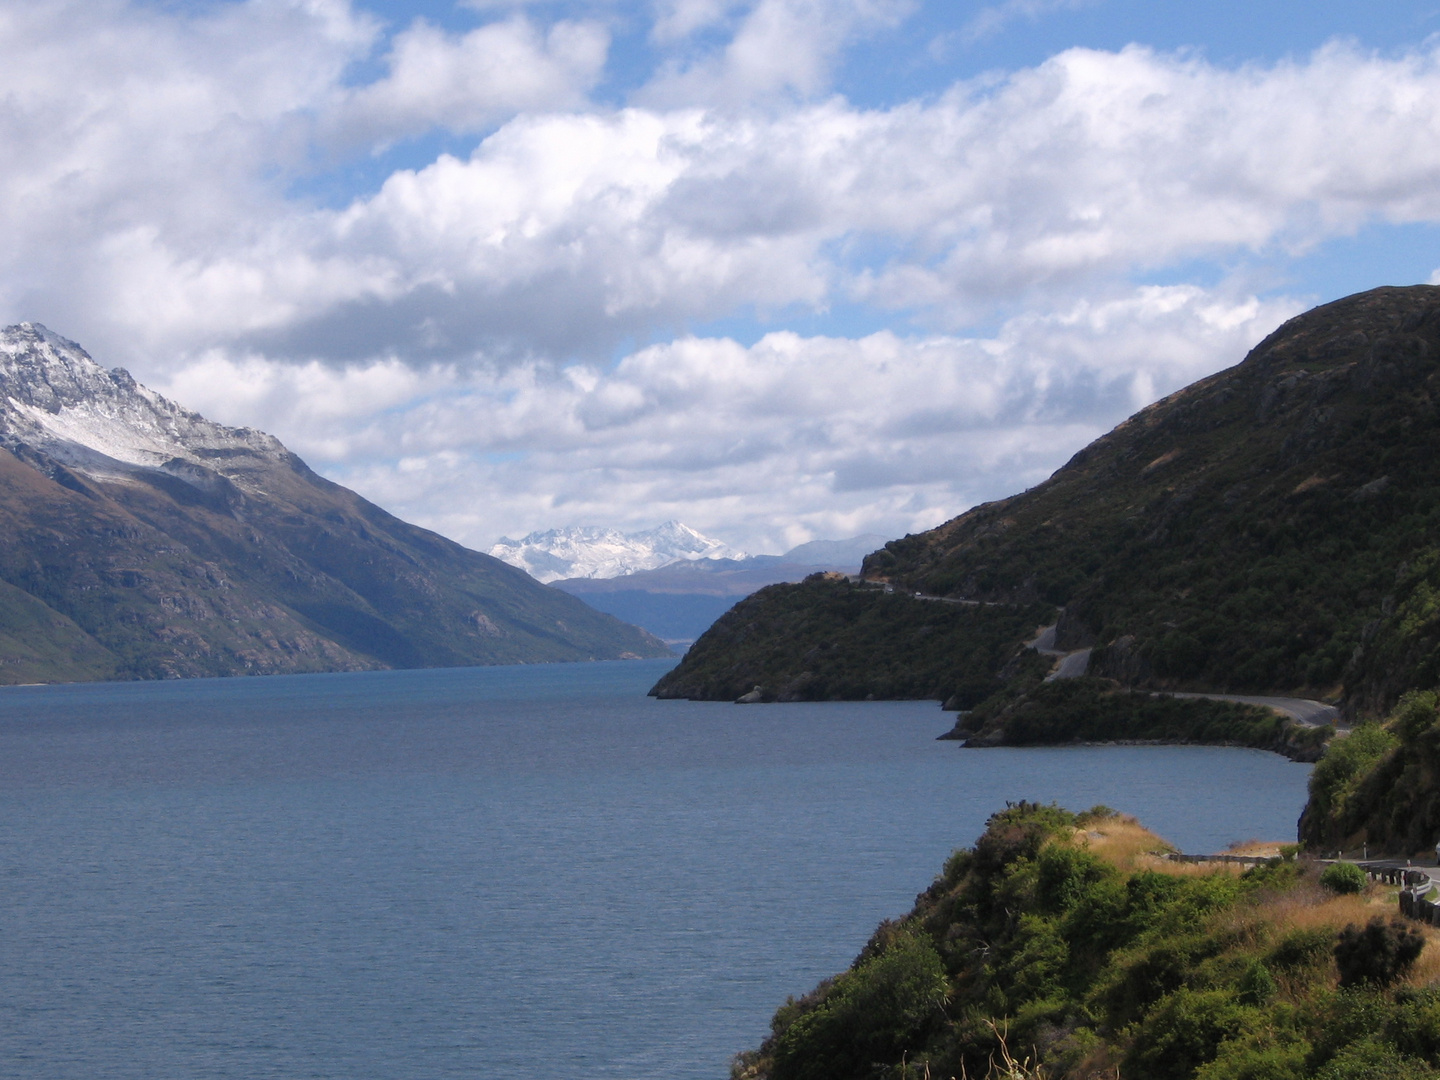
{"points": [[680, 599], [592, 553], [589, 552], [672, 580]]}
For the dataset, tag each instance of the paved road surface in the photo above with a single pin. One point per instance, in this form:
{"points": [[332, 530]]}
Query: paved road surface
{"points": [[1301, 710], [1074, 664], [1045, 643]]}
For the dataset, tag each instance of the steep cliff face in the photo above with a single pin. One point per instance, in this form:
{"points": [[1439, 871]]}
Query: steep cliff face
{"points": [[1247, 533], [140, 540]]}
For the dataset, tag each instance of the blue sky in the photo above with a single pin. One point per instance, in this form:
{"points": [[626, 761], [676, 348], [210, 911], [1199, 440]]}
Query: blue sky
{"points": [[780, 269]]}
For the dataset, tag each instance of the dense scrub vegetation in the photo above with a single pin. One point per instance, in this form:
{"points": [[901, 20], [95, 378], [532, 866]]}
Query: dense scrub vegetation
{"points": [[828, 639], [1380, 785], [1100, 710], [1269, 529], [1063, 939], [1242, 533]]}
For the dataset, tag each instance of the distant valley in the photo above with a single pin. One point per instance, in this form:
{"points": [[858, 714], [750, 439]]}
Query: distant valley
{"points": [[679, 602], [140, 540], [672, 581]]}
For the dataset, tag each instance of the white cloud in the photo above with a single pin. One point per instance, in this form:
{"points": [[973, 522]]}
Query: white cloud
{"points": [[468, 81], [767, 445], [676, 20], [443, 339], [565, 233], [124, 124], [780, 47]]}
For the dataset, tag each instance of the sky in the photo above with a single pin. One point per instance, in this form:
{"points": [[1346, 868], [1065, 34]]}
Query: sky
{"points": [[782, 270]]}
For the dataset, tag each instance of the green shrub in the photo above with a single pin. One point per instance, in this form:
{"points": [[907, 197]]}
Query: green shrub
{"points": [[870, 1014], [1414, 714], [1300, 949], [1087, 968], [1183, 1032], [1343, 877], [1415, 1027], [1257, 985], [1345, 764], [1258, 1058], [1377, 955], [1375, 1061]]}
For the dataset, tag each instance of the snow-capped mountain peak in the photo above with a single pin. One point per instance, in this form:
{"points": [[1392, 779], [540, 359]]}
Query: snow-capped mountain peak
{"points": [[587, 551], [56, 399]]}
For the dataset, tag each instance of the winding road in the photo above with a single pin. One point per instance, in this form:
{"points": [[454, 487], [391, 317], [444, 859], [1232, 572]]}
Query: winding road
{"points": [[1303, 711], [1076, 662]]}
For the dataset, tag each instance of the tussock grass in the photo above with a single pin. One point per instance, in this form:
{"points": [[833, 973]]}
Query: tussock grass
{"points": [[1258, 849], [1123, 843]]}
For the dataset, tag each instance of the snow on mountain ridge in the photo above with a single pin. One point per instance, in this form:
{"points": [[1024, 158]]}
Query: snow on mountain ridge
{"points": [[56, 398], [589, 551]]}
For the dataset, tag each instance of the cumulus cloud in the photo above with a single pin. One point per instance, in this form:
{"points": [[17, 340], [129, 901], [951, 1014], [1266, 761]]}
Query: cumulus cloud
{"points": [[780, 47], [465, 82], [135, 128], [767, 445], [447, 337], [563, 234]]}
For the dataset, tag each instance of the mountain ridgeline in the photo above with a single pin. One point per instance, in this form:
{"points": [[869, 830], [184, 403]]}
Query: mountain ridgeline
{"points": [[1271, 528], [139, 540]]}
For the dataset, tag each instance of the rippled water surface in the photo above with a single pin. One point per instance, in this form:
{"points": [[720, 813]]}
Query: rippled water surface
{"points": [[524, 872]]}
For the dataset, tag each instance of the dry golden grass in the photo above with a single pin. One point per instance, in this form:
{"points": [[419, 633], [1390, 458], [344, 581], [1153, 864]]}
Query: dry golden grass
{"points": [[1129, 846], [1313, 908], [1122, 842], [1426, 971], [1259, 849], [1310, 907]]}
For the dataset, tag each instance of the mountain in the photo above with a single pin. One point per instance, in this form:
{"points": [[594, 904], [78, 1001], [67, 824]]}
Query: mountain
{"points": [[679, 601], [834, 553], [591, 552], [1271, 528], [140, 540]]}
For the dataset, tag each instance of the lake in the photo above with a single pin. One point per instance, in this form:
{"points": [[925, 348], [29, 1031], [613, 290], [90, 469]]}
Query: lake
{"points": [[519, 872]]}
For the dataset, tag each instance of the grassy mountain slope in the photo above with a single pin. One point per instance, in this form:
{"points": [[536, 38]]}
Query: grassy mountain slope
{"points": [[1243, 534], [37, 642], [1064, 940]]}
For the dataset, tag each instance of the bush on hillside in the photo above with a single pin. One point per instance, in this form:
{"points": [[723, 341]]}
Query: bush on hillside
{"points": [[1058, 937], [1343, 877], [1377, 955], [1333, 810]]}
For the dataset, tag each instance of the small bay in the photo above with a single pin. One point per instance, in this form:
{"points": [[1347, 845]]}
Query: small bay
{"points": [[522, 872]]}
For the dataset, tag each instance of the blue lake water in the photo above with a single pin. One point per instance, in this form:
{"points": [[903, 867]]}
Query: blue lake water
{"points": [[523, 872]]}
